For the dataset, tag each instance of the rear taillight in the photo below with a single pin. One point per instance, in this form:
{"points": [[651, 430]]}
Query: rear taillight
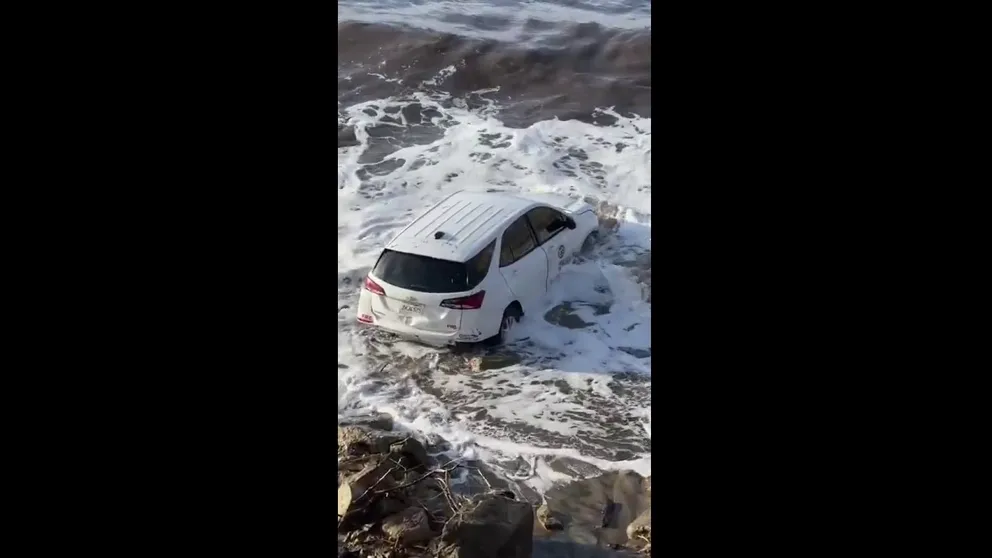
{"points": [[471, 302], [373, 287]]}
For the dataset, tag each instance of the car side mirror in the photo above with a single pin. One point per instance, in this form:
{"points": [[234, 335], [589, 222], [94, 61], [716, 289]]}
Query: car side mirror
{"points": [[570, 223]]}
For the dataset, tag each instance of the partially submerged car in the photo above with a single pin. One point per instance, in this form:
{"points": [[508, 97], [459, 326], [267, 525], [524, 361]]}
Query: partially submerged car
{"points": [[471, 266]]}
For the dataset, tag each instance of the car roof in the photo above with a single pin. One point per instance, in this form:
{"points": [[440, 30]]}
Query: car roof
{"points": [[468, 220]]}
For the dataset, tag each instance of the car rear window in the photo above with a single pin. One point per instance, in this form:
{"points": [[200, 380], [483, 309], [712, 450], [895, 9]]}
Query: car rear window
{"points": [[431, 275]]}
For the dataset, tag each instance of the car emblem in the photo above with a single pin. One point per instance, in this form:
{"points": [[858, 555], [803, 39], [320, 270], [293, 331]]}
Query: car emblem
{"points": [[561, 251], [411, 299]]}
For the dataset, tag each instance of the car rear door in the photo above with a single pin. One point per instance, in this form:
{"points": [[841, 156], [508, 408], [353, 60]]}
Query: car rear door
{"points": [[523, 263]]}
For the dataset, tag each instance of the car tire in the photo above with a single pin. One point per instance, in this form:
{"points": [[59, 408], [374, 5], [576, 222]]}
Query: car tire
{"points": [[510, 318]]}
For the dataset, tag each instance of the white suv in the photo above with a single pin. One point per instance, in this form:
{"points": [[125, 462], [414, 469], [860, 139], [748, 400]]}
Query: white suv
{"points": [[467, 269]]}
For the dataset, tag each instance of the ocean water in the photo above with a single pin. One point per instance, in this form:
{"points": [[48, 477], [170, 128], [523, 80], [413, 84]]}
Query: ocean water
{"points": [[435, 97]]}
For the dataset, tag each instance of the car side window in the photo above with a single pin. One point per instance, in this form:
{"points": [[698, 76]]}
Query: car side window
{"points": [[517, 242], [478, 267], [546, 222], [505, 254]]}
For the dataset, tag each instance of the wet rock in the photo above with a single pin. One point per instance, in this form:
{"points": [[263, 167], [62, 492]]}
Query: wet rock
{"points": [[429, 493], [639, 353], [351, 465], [359, 489], [547, 519], [409, 526], [411, 454], [377, 421], [412, 113], [480, 478], [355, 440], [344, 552], [496, 361], [489, 526], [640, 528], [581, 505], [346, 136], [563, 386], [380, 168], [390, 504], [574, 467], [563, 315], [623, 455]]}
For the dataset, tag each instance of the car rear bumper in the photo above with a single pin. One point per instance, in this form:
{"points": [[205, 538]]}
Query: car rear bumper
{"points": [[467, 333], [435, 339]]}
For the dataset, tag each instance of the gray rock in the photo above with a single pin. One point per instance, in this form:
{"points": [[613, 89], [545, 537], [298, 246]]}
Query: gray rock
{"points": [[358, 488], [489, 526], [496, 361], [346, 136], [547, 519], [581, 505], [377, 421], [357, 440], [640, 527], [563, 315], [408, 527], [411, 454], [345, 498]]}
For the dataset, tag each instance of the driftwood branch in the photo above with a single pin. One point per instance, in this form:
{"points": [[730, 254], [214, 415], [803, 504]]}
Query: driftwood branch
{"points": [[418, 479], [376, 483], [447, 492]]}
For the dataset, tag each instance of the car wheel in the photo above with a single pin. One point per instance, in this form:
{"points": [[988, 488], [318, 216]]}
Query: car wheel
{"points": [[510, 318]]}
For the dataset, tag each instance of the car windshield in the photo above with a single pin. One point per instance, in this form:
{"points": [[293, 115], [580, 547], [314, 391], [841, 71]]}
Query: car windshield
{"points": [[431, 275]]}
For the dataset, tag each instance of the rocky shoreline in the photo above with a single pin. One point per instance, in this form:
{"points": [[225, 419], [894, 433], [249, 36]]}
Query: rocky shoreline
{"points": [[397, 501]]}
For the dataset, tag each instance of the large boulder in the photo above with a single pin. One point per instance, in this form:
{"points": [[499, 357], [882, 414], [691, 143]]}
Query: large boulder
{"points": [[596, 510], [355, 441], [358, 490], [492, 525], [640, 528]]}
